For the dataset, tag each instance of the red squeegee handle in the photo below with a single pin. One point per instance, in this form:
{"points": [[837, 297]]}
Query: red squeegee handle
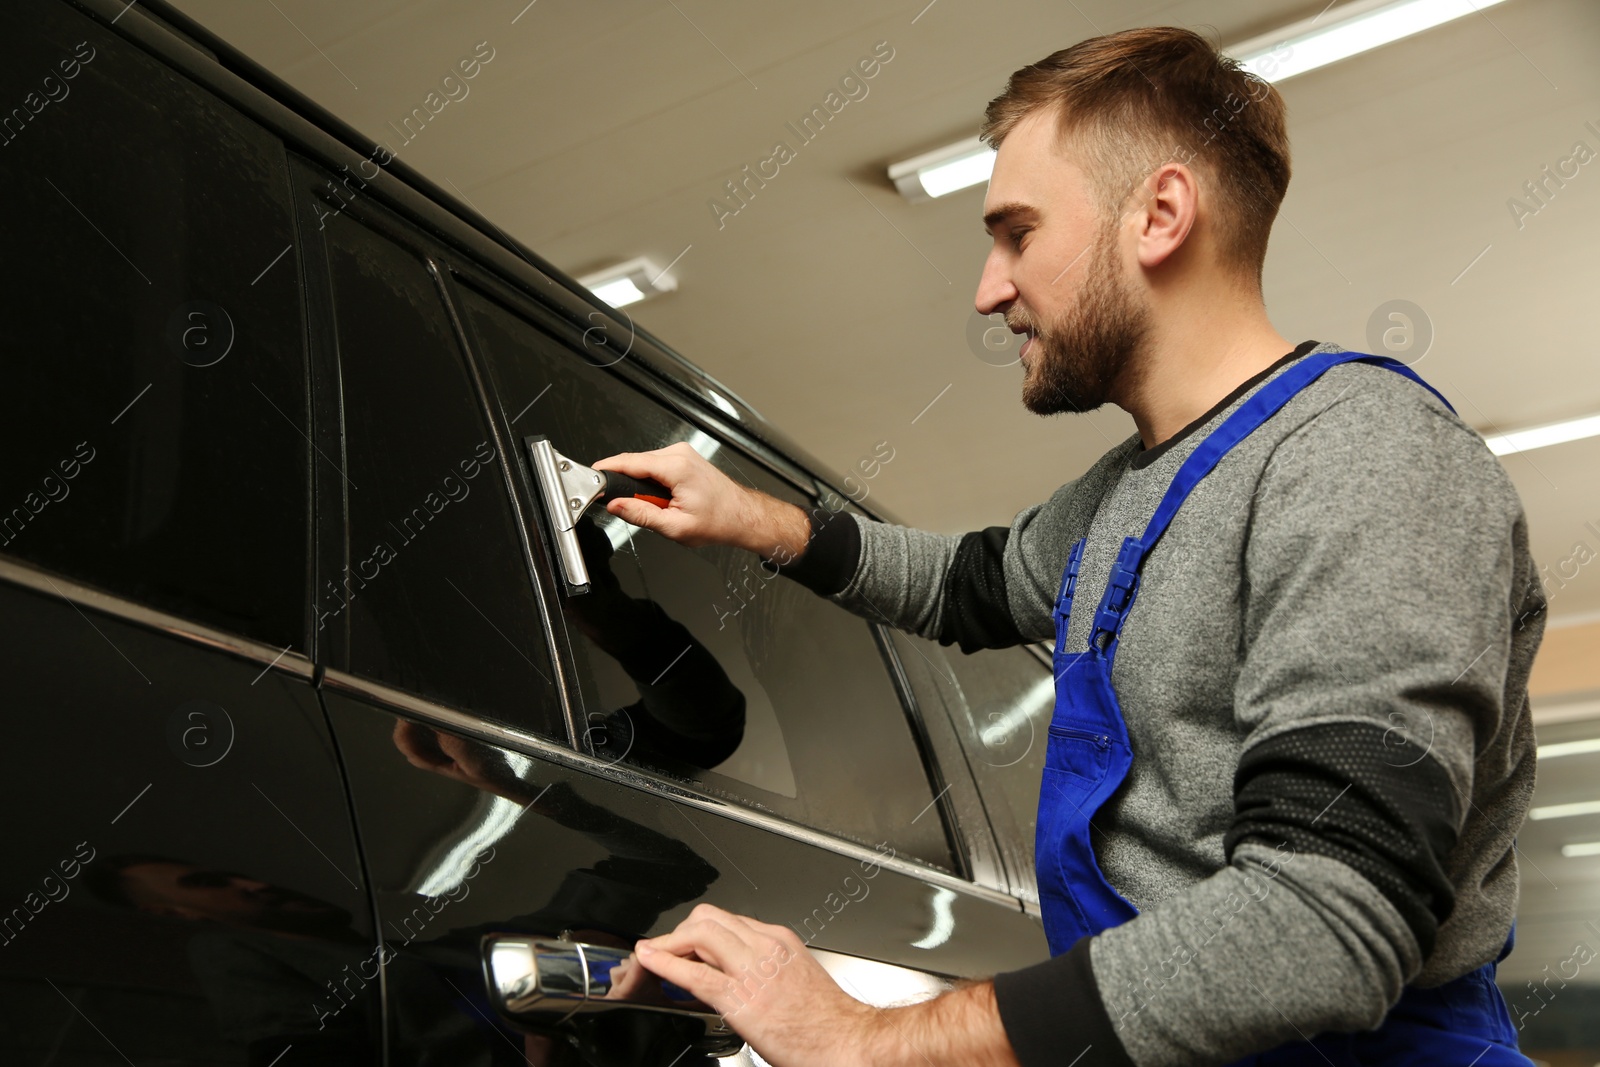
{"points": [[621, 486]]}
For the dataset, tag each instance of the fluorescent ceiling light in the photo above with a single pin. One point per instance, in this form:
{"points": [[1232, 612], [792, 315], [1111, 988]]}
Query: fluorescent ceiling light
{"points": [[628, 283], [1355, 28], [617, 293], [944, 170], [1585, 848], [1358, 27], [1556, 433], [1569, 748], [1566, 811]]}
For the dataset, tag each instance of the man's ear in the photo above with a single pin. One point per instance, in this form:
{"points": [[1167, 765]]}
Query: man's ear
{"points": [[1170, 204]]}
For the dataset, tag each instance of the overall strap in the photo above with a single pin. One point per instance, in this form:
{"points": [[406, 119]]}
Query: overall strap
{"points": [[1265, 403]]}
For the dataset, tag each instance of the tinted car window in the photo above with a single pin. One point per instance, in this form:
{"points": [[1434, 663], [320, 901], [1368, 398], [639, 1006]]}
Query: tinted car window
{"points": [[999, 702], [154, 443], [437, 590], [697, 662]]}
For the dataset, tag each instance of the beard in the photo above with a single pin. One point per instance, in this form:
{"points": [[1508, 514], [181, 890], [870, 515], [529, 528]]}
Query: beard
{"points": [[1079, 356]]}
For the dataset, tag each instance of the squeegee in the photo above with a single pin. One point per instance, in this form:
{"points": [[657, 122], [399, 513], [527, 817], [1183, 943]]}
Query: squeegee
{"points": [[568, 488]]}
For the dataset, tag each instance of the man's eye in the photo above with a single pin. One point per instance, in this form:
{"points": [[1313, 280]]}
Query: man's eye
{"points": [[1016, 238]]}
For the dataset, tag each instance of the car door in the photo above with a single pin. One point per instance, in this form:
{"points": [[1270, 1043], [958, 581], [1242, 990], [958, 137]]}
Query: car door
{"points": [[181, 879], [828, 755], [486, 743]]}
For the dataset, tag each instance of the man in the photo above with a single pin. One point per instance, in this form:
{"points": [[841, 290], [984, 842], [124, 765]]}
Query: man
{"points": [[1293, 619]]}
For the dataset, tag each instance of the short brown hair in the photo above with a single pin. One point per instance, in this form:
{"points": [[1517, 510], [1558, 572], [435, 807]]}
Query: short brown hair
{"points": [[1151, 95]]}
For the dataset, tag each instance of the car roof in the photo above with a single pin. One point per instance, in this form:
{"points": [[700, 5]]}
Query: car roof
{"points": [[203, 56]]}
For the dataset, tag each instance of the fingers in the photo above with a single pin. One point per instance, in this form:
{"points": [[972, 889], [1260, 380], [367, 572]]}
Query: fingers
{"points": [[666, 465], [419, 745], [706, 984], [628, 978], [626, 462], [724, 946], [636, 512], [706, 508], [750, 930], [736, 947], [673, 523]]}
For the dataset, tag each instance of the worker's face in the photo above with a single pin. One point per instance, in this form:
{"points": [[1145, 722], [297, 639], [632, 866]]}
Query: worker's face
{"points": [[185, 891], [1059, 272]]}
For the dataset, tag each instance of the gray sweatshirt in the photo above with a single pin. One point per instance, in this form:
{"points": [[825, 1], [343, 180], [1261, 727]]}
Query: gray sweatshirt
{"points": [[1324, 678]]}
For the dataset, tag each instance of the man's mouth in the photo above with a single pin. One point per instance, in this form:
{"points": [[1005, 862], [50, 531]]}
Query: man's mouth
{"points": [[1027, 345]]}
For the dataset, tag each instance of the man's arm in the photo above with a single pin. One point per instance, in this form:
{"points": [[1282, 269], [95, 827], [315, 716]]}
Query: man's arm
{"points": [[776, 996], [991, 588]]}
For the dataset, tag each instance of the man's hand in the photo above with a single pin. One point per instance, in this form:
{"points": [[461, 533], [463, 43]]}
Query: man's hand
{"points": [[777, 997], [708, 507]]}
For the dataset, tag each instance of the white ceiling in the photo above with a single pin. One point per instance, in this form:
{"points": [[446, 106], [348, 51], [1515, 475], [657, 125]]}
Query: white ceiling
{"points": [[601, 130]]}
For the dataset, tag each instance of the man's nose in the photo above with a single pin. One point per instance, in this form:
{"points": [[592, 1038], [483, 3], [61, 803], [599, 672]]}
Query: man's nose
{"points": [[995, 288]]}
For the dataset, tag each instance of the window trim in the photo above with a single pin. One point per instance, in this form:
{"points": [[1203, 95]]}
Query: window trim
{"points": [[394, 701], [1015, 884], [972, 839], [47, 583], [533, 562]]}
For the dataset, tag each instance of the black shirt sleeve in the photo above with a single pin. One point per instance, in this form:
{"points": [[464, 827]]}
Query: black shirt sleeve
{"points": [[976, 614], [831, 555], [1053, 1014]]}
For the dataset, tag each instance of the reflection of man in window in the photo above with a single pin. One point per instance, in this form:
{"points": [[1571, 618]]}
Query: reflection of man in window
{"points": [[689, 713], [281, 967], [266, 957]]}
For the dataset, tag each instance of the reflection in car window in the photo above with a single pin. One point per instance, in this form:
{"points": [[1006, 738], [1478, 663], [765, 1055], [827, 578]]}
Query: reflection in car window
{"points": [[999, 702], [154, 444], [437, 596], [699, 662]]}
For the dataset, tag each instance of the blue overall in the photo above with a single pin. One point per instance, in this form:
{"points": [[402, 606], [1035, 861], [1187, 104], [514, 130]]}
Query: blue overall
{"points": [[1088, 755]]}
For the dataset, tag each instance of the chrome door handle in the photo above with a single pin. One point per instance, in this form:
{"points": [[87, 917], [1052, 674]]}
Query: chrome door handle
{"points": [[543, 982]]}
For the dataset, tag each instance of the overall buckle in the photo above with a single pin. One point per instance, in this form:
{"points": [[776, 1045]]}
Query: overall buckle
{"points": [[1069, 585], [1120, 589]]}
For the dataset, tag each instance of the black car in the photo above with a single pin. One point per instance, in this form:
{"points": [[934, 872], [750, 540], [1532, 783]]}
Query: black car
{"points": [[318, 753]]}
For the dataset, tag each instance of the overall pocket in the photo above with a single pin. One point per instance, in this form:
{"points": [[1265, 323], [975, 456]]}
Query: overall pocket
{"points": [[1083, 754]]}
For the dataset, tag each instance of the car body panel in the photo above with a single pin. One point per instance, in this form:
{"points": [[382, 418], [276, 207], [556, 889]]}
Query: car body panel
{"points": [[357, 802]]}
